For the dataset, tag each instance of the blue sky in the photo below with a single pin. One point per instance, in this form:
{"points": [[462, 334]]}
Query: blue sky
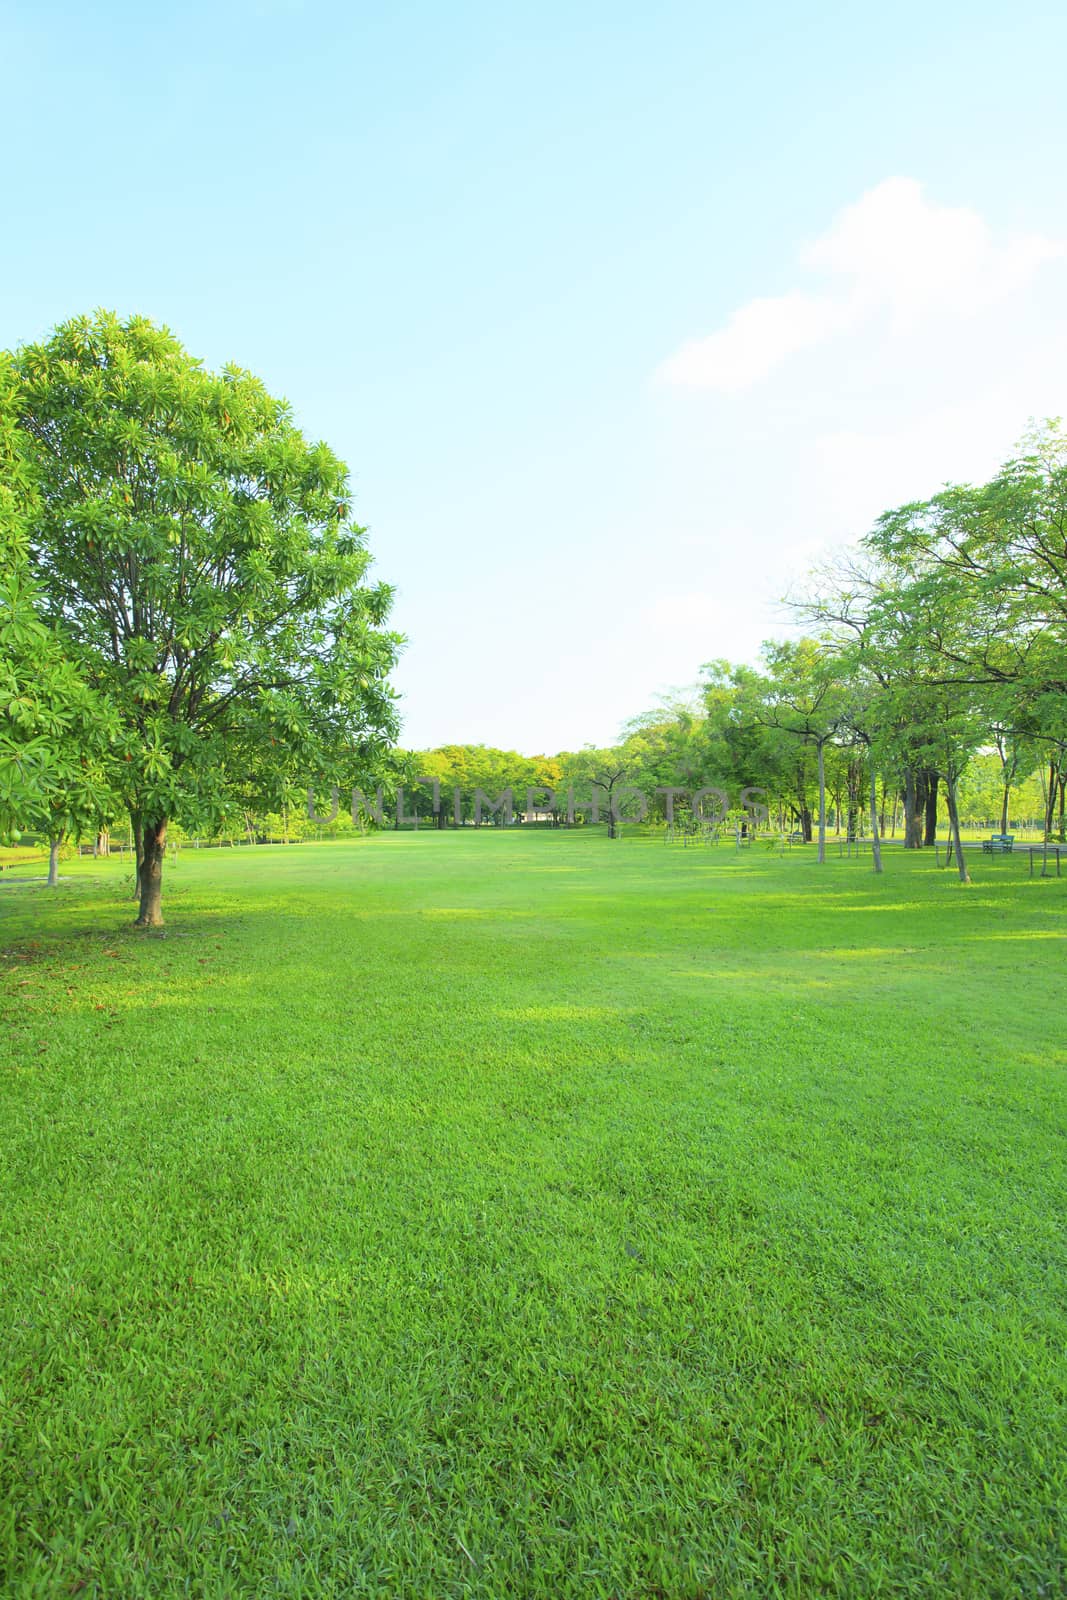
{"points": [[620, 314]]}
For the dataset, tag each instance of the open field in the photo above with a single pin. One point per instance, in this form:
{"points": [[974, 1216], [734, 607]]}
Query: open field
{"points": [[505, 1215]]}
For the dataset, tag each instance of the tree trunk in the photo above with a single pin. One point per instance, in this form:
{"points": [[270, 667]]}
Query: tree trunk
{"points": [[137, 833], [931, 808], [912, 831], [876, 842], [613, 821], [1004, 806], [53, 860], [150, 914], [822, 803], [954, 824]]}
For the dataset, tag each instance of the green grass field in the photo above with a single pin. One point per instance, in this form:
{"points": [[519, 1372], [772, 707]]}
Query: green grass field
{"points": [[524, 1215]]}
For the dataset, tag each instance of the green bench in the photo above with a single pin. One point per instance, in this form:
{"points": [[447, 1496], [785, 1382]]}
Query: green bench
{"points": [[998, 844]]}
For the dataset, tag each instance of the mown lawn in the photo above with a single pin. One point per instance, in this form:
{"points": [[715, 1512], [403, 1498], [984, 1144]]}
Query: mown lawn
{"points": [[496, 1215]]}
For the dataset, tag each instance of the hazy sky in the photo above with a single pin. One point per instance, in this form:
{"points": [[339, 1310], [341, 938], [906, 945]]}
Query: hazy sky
{"points": [[619, 313]]}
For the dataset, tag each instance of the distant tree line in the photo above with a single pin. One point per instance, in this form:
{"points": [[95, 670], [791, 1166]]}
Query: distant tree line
{"points": [[931, 681]]}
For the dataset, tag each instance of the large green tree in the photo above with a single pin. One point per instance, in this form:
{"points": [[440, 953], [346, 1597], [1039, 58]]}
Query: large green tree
{"points": [[197, 556]]}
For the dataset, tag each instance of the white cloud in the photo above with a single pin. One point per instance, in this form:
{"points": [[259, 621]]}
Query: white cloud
{"points": [[754, 341], [893, 256]]}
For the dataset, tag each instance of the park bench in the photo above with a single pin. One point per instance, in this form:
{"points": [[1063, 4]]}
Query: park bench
{"points": [[998, 844]]}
